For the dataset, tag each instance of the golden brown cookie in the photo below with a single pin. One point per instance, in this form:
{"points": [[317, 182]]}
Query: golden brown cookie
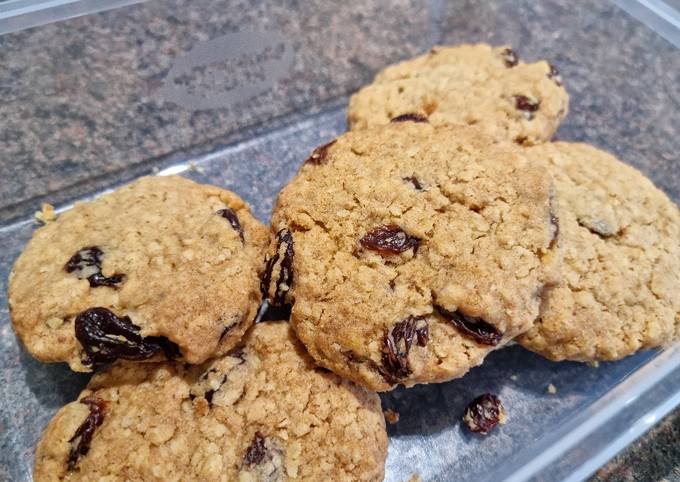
{"points": [[468, 84], [264, 412], [620, 238], [411, 252], [161, 268]]}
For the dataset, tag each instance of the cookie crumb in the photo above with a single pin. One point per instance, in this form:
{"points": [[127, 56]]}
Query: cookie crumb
{"points": [[552, 389], [46, 214], [594, 364], [414, 478], [391, 416]]}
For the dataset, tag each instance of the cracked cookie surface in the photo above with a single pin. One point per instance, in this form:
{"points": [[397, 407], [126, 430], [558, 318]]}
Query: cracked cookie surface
{"points": [[263, 412], [467, 84], [411, 251], [620, 240], [163, 267]]}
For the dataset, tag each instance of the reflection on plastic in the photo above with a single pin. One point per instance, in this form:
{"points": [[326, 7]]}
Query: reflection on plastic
{"points": [[227, 71]]}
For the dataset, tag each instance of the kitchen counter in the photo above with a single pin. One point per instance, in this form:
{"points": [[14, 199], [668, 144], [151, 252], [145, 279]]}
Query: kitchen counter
{"points": [[89, 102]]}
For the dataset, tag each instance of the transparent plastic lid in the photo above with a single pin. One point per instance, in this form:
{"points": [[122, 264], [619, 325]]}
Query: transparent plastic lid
{"points": [[238, 94]]}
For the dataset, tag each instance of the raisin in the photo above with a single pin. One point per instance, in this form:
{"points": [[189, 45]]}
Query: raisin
{"points": [[87, 263], [105, 338], [554, 220], [256, 451], [283, 258], [484, 413], [231, 216], [476, 328], [554, 74], [86, 430], [414, 180], [510, 57], [320, 154], [397, 345], [526, 105], [389, 239], [410, 117]]}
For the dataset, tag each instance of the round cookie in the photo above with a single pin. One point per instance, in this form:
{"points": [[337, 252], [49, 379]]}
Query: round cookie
{"points": [[620, 270], [161, 268], [410, 251], [468, 84], [262, 412]]}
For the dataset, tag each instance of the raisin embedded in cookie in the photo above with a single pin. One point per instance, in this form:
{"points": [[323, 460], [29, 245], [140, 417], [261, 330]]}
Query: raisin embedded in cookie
{"points": [[262, 412], [468, 84], [411, 251], [620, 238], [161, 268]]}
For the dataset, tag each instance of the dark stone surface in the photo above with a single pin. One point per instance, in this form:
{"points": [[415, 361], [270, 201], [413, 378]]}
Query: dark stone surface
{"points": [[84, 105], [83, 100]]}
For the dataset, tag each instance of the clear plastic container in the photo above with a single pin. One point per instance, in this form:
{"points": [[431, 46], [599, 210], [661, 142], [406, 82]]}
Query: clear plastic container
{"points": [[93, 94]]}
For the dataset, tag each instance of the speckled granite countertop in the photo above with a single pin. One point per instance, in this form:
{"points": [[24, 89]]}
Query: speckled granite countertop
{"points": [[93, 101]]}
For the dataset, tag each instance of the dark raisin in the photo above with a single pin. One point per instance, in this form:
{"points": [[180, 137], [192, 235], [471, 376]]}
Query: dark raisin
{"points": [[83, 437], [526, 105], [256, 451], [554, 74], [106, 338], [320, 154], [389, 239], [283, 259], [410, 117], [231, 216], [476, 328], [397, 345], [555, 222], [510, 57], [484, 413], [87, 263], [414, 180]]}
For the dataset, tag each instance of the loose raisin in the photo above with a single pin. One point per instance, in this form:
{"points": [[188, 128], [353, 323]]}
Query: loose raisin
{"points": [[510, 57], [389, 239], [410, 117], [283, 259], [87, 263], [105, 338], [83, 437], [484, 413], [397, 345], [320, 154], [256, 451], [414, 180], [476, 328], [231, 216], [526, 105], [554, 74]]}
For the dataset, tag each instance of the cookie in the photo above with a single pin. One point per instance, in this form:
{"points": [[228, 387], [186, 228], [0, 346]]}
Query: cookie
{"points": [[620, 238], [468, 84], [161, 268], [262, 412], [411, 251]]}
